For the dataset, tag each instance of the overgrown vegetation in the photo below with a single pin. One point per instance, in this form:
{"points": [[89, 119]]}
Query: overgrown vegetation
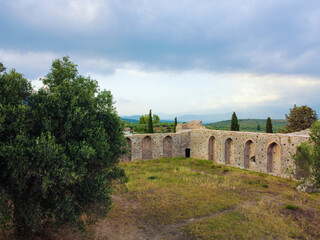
{"points": [[59, 149], [307, 158]]}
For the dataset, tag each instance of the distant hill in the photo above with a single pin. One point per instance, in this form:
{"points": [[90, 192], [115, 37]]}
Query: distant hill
{"points": [[134, 120], [130, 120], [249, 125]]}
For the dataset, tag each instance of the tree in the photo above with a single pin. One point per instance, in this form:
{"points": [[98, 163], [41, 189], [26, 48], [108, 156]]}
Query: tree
{"points": [[150, 123], [156, 119], [175, 125], [307, 158], [63, 152], [269, 125], [234, 122], [258, 127], [300, 118], [144, 119]]}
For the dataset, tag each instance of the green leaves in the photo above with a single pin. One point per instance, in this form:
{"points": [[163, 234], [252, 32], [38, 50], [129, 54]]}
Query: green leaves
{"points": [[300, 118], [59, 147]]}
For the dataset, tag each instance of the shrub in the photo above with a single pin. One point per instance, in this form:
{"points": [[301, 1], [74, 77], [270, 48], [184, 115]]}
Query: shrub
{"points": [[292, 207]]}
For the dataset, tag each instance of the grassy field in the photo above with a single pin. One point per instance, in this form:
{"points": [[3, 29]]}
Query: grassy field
{"points": [[195, 199], [249, 125]]}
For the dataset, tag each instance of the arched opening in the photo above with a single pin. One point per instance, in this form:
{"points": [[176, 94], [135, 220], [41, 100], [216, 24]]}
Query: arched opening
{"points": [[249, 155], [187, 152], [147, 148], [167, 147], [211, 148], [127, 156], [273, 158], [229, 151]]}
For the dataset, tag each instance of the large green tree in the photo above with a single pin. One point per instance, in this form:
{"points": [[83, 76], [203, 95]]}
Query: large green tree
{"points": [[300, 118], [234, 123], [269, 125], [59, 147]]}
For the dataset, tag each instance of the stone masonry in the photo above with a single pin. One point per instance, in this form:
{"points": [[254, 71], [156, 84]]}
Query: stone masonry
{"points": [[262, 152]]}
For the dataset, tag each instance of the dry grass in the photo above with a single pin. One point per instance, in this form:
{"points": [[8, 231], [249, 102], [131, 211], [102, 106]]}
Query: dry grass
{"points": [[170, 192]]}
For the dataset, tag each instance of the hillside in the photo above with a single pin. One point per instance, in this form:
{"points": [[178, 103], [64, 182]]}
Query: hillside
{"points": [[249, 125]]}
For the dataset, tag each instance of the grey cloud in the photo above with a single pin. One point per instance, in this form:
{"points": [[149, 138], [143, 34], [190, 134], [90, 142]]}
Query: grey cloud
{"points": [[253, 36]]}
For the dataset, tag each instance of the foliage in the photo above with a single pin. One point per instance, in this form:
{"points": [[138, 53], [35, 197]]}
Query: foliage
{"points": [[150, 123], [292, 207], [144, 119], [307, 158], [234, 123], [300, 118], [175, 125], [269, 125], [59, 147]]}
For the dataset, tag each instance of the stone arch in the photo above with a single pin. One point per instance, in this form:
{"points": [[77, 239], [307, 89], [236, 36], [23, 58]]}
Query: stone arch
{"points": [[273, 158], [229, 151], [167, 147], [146, 148], [127, 156], [212, 148], [249, 155]]}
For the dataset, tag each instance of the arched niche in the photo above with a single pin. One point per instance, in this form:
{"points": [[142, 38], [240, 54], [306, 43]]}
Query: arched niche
{"points": [[273, 158], [167, 147], [229, 151], [211, 148], [249, 155], [146, 148]]}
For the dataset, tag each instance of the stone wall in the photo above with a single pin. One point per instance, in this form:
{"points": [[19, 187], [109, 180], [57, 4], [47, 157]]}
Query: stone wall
{"points": [[262, 152]]}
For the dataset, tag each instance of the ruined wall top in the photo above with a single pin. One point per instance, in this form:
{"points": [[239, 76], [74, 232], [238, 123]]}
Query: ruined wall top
{"points": [[195, 124]]}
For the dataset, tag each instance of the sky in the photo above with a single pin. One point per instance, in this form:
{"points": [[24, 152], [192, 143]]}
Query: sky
{"points": [[186, 57]]}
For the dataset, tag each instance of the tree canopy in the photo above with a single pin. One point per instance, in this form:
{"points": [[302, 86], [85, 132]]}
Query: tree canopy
{"points": [[300, 118], [59, 147], [144, 119]]}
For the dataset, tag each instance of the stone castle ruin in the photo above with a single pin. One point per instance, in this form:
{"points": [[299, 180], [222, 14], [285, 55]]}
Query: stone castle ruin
{"points": [[262, 152]]}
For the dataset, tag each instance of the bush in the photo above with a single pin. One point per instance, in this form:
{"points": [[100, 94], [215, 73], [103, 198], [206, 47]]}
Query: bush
{"points": [[292, 207], [307, 158]]}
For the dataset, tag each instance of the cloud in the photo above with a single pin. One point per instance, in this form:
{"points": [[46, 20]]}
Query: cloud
{"points": [[280, 37]]}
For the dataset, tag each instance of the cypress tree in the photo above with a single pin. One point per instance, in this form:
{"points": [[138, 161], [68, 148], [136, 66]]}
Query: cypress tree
{"points": [[234, 123], [269, 126], [150, 124], [258, 128], [175, 125]]}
